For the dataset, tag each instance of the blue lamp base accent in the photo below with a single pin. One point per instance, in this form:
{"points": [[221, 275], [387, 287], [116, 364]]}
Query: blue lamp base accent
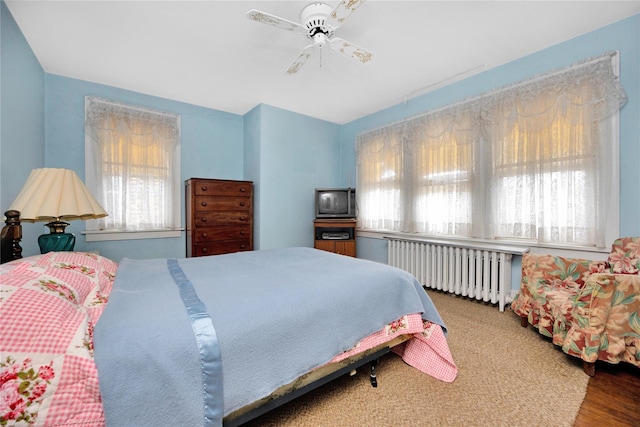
{"points": [[57, 240]]}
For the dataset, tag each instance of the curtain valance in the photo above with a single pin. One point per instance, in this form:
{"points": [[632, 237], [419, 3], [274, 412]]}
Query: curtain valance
{"points": [[105, 115], [585, 91]]}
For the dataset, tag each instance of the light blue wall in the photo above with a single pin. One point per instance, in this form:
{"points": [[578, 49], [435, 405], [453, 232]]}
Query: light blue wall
{"points": [[22, 124], [252, 146], [212, 147], [623, 36], [294, 154], [286, 154]]}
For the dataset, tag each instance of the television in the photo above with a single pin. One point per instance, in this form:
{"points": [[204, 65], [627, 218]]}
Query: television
{"points": [[335, 202]]}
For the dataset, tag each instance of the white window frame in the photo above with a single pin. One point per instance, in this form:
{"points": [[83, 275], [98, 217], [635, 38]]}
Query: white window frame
{"points": [[94, 234]]}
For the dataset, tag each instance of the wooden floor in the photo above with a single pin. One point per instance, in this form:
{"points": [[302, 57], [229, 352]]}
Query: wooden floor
{"points": [[613, 397]]}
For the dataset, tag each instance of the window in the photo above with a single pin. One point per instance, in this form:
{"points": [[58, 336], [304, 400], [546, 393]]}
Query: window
{"points": [[444, 175], [533, 161], [381, 168], [544, 180], [419, 175], [133, 168]]}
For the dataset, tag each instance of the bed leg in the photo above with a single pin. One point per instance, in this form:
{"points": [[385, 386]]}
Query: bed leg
{"points": [[372, 376]]}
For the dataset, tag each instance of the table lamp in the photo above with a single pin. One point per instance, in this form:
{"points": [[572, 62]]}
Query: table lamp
{"points": [[56, 195]]}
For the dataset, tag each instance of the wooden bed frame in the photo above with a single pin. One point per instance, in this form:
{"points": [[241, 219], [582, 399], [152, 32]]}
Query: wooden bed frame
{"points": [[10, 248]]}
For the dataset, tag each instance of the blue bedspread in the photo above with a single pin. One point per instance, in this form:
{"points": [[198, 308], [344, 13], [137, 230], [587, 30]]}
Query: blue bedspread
{"points": [[277, 314]]}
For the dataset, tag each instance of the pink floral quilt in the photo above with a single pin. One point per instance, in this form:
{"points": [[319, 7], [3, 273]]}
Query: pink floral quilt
{"points": [[48, 306], [427, 351]]}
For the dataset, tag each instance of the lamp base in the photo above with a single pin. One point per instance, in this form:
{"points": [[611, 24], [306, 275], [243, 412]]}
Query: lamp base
{"points": [[56, 242]]}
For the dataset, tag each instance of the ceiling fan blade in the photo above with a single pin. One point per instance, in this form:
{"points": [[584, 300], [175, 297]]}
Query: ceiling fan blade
{"points": [[284, 24], [343, 11], [301, 59], [350, 49]]}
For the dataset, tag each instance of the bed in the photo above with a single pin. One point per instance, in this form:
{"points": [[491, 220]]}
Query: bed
{"points": [[205, 341]]}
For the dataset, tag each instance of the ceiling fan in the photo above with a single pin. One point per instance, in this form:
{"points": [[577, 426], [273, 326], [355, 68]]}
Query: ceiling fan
{"points": [[319, 21]]}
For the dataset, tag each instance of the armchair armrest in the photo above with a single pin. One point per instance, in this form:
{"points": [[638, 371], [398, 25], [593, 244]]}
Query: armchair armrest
{"points": [[548, 284], [606, 319]]}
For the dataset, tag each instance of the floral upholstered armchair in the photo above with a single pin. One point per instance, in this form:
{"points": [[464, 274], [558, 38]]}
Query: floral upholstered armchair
{"points": [[589, 308]]}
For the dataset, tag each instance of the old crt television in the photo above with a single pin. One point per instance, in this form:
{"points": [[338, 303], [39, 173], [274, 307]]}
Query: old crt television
{"points": [[335, 202]]}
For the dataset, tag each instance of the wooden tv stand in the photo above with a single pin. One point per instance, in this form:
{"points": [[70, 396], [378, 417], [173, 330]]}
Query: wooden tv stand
{"points": [[335, 235]]}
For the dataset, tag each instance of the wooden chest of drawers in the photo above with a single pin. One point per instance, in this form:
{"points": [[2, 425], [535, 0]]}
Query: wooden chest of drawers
{"points": [[219, 216]]}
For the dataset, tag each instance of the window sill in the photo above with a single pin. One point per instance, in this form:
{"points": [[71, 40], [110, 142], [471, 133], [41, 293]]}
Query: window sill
{"points": [[107, 235], [514, 247]]}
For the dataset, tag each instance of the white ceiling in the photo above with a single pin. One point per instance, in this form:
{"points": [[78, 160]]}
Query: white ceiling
{"points": [[209, 54]]}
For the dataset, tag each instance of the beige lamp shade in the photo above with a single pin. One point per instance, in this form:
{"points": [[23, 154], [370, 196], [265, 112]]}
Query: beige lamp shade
{"points": [[56, 194]]}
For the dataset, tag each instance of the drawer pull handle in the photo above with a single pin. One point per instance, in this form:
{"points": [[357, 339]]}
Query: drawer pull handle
{"points": [[204, 219], [242, 204], [204, 203], [241, 218], [242, 233], [204, 249], [204, 234], [204, 188], [242, 190], [241, 246]]}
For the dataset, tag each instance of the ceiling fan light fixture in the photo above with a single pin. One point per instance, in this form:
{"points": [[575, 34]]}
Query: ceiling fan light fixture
{"points": [[319, 39], [314, 18], [319, 21]]}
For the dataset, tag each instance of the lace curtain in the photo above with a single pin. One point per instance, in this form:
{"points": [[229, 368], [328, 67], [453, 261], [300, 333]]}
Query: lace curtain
{"points": [[529, 161], [382, 203], [133, 162]]}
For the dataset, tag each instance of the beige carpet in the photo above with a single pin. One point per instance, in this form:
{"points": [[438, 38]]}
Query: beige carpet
{"points": [[507, 376]]}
